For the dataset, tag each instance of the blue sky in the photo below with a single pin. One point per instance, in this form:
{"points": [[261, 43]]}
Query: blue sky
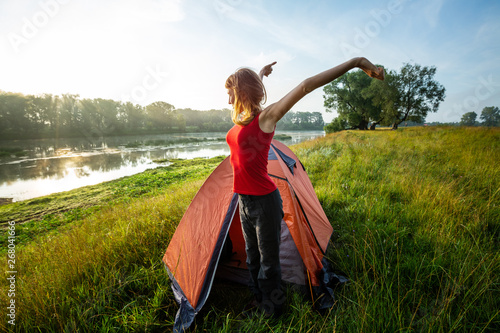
{"points": [[181, 51]]}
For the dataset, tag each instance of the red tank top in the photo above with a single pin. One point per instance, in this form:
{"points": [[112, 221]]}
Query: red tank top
{"points": [[249, 147]]}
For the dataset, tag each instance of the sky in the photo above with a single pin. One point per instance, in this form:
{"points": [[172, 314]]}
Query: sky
{"points": [[182, 51]]}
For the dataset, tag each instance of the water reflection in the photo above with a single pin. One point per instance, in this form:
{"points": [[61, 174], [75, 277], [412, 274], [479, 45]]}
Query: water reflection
{"points": [[58, 165]]}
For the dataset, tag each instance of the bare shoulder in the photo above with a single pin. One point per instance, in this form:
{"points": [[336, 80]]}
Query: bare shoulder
{"points": [[266, 120], [274, 112]]}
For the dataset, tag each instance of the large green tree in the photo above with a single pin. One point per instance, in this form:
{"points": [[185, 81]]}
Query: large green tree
{"points": [[408, 95], [468, 119], [490, 116], [349, 96]]}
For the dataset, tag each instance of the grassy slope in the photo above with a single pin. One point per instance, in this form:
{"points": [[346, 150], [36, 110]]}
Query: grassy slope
{"points": [[416, 217], [39, 216]]}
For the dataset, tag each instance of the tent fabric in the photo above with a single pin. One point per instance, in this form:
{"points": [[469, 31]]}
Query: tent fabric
{"points": [[193, 256], [290, 162]]}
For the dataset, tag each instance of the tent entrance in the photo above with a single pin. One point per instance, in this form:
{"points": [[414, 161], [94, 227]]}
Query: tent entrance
{"points": [[233, 267]]}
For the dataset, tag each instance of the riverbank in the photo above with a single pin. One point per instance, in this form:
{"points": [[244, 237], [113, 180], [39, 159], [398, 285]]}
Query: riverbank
{"points": [[416, 226]]}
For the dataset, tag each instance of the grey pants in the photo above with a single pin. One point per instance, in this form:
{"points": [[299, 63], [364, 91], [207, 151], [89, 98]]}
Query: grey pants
{"points": [[261, 225]]}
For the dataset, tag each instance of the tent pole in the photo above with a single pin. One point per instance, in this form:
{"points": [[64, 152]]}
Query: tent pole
{"points": [[310, 285]]}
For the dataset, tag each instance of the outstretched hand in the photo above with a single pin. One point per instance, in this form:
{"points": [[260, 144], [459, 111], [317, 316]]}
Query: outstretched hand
{"points": [[370, 69], [376, 74], [266, 70]]}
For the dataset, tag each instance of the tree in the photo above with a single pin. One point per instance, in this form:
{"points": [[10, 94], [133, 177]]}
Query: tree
{"points": [[91, 124], [70, 113], [36, 107], [13, 116], [47, 107], [338, 124], [490, 116], [375, 123], [316, 120], [27, 116], [108, 111], [348, 95], [408, 95], [468, 119], [132, 115], [160, 115]]}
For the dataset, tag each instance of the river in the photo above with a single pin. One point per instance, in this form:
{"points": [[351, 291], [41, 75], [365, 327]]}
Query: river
{"points": [[56, 165]]}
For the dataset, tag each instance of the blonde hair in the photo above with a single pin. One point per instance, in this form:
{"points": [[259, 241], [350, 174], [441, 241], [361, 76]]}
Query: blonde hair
{"points": [[249, 94]]}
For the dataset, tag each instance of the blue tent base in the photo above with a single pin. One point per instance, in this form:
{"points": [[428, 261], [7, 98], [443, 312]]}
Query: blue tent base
{"points": [[184, 317], [186, 313], [323, 297], [329, 281]]}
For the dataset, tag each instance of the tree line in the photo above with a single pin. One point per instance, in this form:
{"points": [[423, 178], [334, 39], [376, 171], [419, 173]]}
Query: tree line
{"points": [[68, 115], [490, 117]]}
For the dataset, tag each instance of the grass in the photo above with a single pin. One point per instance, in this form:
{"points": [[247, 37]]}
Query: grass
{"points": [[416, 229], [282, 137], [12, 151]]}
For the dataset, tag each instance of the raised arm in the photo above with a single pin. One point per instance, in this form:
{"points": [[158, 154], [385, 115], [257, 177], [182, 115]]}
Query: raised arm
{"points": [[274, 112], [266, 70]]}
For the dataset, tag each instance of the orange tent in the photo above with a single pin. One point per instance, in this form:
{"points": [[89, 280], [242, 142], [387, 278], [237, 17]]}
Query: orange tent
{"points": [[193, 257]]}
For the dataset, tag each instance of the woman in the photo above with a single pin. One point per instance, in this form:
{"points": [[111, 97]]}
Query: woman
{"points": [[260, 204]]}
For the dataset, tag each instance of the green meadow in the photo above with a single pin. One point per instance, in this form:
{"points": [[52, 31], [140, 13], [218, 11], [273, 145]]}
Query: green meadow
{"points": [[416, 218]]}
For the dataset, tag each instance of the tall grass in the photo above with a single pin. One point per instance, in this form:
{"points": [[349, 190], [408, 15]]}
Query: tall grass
{"points": [[105, 273], [416, 221], [416, 229]]}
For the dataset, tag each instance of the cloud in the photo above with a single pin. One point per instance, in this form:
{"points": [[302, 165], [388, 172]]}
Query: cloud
{"points": [[431, 11]]}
